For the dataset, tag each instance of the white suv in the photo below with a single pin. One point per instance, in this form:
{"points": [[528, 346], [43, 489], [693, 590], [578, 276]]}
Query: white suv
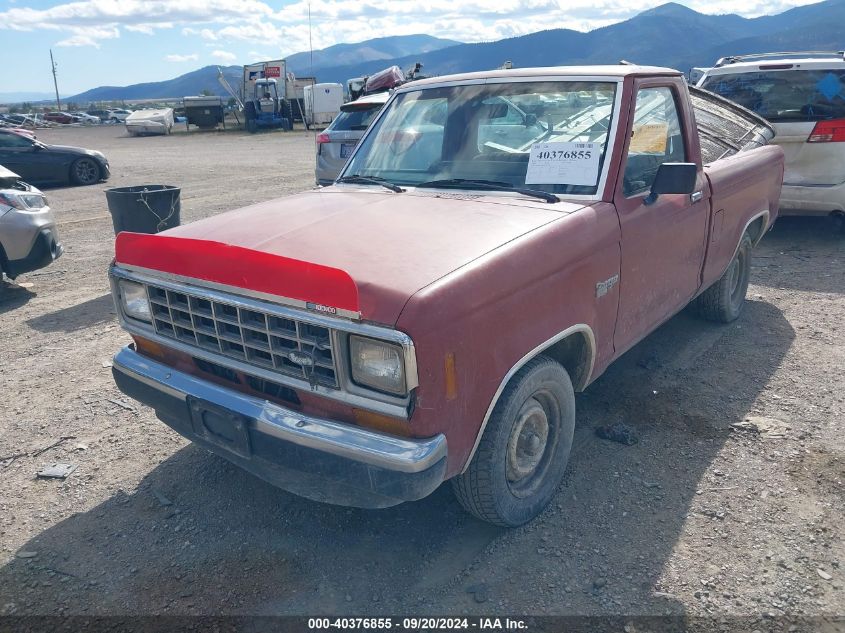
{"points": [[803, 96]]}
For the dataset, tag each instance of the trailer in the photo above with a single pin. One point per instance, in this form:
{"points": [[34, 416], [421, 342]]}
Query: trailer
{"points": [[295, 91], [322, 103], [204, 112], [149, 122]]}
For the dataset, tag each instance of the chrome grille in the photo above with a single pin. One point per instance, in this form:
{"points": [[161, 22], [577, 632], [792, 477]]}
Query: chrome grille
{"points": [[251, 336]]}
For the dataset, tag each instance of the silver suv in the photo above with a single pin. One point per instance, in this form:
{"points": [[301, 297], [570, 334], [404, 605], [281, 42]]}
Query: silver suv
{"points": [[29, 239], [335, 144]]}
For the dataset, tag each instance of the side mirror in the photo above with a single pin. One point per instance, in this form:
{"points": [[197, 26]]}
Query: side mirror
{"points": [[672, 178]]}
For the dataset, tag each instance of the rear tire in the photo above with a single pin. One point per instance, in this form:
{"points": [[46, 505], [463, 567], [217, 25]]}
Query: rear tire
{"points": [[524, 450], [84, 171], [724, 300], [250, 115]]}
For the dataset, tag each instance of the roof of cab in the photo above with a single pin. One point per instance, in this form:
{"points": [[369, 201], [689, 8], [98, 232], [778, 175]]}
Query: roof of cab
{"points": [[616, 70]]}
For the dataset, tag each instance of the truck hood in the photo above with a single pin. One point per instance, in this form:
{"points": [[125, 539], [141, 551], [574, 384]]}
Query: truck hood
{"points": [[390, 245]]}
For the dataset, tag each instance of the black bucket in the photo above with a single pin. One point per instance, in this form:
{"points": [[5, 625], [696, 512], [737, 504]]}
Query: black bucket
{"points": [[144, 208]]}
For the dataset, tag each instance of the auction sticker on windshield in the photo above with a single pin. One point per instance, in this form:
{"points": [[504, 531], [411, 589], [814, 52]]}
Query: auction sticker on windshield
{"points": [[563, 164]]}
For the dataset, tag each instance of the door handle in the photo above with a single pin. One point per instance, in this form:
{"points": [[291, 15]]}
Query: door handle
{"points": [[696, 196]]}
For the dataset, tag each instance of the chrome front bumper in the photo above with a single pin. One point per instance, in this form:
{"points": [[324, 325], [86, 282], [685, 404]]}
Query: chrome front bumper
{"points": [[315, 458]]}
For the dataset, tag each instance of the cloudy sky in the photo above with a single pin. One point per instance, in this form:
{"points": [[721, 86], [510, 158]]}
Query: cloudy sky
{"points": [[119, 42]]}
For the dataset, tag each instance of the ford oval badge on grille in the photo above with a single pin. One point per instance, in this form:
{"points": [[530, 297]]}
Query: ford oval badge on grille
{"points": [[301, 358]]}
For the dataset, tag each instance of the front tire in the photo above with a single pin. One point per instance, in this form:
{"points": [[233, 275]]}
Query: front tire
{"points": [[84, 171], [724, 300], [524, 450]]}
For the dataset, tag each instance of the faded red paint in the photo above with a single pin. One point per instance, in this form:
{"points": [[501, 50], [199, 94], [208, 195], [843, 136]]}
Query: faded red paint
{"points": [[490, 279]]}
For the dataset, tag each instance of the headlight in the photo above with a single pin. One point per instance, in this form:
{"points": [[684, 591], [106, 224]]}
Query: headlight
{"points": [[23, 201], [377, 365], [133, 298]]}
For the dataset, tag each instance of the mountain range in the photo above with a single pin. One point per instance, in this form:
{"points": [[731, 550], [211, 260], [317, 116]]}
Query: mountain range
{"points": [[378, 51], [17, 97], [669, 35]]}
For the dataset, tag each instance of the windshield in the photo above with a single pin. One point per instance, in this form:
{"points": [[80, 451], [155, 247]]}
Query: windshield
{"points": [[785, 95], [550, 135]]}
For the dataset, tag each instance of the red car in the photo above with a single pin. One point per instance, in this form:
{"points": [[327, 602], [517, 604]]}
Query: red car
{"points": [[59, 117], [495, 241]]}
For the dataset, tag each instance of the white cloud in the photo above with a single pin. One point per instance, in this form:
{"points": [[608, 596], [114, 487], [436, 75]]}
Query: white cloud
{"points": [[125, 12], [224, 56], [148, 29], [224, 23], [181, 58], [89, 36]]}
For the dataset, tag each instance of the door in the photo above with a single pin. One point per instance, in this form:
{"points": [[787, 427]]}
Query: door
{"points": [[17, 153], [662, 242]]}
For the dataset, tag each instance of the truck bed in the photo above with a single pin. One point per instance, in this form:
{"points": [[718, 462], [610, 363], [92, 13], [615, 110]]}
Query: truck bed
{"points": [[744, 186]]}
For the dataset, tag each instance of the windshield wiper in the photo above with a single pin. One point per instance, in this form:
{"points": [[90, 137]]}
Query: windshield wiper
{"points": [[371, 180], [492, 185]]}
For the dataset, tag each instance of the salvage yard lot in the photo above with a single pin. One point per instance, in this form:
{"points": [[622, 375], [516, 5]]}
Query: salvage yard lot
{"points": [[731, 503]]}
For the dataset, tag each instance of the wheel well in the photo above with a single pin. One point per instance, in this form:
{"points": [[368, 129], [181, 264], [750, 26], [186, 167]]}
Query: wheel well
{"points": [[575, 353], [756, 228]]}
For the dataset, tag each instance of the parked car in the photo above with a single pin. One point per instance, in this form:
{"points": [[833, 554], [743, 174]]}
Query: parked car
{"points": [[84, 117], [20, 119], [29, 239], [430, 316], [102, 115], [803, 95], [44, 164], [336, 142], [118, 115], [59, 117]]}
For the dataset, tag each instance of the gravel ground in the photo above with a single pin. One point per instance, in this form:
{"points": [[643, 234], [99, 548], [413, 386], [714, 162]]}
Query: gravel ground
{"points": [[730, 504]]}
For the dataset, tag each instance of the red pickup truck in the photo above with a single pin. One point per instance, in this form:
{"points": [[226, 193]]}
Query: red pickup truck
{"points": [[496, 240]]}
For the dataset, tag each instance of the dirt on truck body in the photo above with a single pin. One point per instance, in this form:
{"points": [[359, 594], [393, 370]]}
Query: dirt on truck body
{"points": [[735, 481], [495, 242]]}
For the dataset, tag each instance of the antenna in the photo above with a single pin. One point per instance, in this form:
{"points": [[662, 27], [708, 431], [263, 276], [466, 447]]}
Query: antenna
{"points": [[55, 82], [310, 45], [310, 72]]}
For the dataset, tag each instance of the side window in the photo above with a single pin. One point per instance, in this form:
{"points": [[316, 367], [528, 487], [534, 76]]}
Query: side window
{"points": [[14, 140], [656, 139]]}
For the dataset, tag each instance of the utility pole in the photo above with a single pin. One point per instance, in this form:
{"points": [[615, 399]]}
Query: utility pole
{"points": [[55, 83]]}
